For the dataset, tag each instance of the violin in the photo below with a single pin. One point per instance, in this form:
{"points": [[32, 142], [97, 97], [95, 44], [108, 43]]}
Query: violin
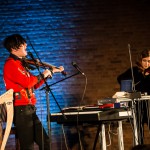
{"points": [[44, 65]]}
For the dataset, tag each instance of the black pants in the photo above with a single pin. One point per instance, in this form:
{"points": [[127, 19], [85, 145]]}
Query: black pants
{"points": [[29, 128]]}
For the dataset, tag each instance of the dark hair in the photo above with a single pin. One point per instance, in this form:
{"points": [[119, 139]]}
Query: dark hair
{"points": [[141, 147], [145, 53], [13, 41]]}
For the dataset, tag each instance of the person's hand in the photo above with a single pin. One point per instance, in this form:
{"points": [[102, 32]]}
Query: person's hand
{"points": [[147, 71], [61, 68], [47, 73], [58, 69]]}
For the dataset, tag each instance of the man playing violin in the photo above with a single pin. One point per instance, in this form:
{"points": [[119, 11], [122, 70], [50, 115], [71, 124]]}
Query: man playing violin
{"points": [[17, 77]]}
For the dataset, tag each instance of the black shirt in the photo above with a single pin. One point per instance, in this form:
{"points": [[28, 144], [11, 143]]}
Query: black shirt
{"points": [[141, 82]]}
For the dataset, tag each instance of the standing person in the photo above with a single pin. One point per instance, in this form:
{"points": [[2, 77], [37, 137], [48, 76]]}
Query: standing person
{"points": [[141, 75], [17, 77]]}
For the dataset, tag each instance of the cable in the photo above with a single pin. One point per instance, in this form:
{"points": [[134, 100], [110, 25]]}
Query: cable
{"points": [[131, 122], [64, 137], [78, 111], [109, 136]]}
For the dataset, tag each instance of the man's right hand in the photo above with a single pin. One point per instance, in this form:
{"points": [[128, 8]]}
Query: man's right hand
{"points": [[47, 73]]}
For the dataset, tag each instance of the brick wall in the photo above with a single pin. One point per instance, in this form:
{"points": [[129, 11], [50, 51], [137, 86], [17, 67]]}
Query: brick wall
{"points": [[93, 33]]}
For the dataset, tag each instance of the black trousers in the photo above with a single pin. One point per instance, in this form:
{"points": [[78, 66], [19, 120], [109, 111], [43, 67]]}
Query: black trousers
{"points": [[29, 128]]}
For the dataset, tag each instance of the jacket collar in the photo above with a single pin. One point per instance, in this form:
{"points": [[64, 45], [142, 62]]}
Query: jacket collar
{"points": [[14, 57]]}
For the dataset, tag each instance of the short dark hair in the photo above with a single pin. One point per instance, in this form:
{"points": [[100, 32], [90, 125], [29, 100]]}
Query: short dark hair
{"points": [[13, 41]]}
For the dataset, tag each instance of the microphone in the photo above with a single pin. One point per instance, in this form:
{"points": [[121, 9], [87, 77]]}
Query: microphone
{"points": [[77, 67]]}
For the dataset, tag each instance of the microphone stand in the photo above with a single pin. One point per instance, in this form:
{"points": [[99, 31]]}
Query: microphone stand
{"points": [[47, 89], [134, 96], [48, 86], [61, 80]]}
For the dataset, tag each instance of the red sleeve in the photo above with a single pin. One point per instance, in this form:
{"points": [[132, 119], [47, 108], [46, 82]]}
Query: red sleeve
{"points": [[39, 84], [15, 73]]}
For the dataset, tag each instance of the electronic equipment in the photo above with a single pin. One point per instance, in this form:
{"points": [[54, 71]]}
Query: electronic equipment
{"points": [[91, 116]]}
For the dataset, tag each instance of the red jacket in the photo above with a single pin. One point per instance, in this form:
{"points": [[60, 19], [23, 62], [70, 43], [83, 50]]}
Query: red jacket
{"points": [[23, 83]]}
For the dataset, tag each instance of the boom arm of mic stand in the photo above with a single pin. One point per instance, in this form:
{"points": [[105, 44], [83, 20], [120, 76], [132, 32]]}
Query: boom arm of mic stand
{"points": [[54, 96], [60, 80]]}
